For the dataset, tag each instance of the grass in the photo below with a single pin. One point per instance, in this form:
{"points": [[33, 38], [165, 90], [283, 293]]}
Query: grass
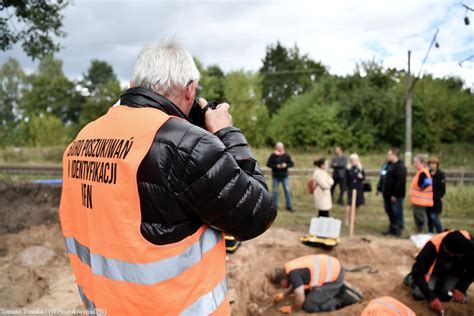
{"points": [[452, 157], [458, 203], [458, 212], [32, 155]]}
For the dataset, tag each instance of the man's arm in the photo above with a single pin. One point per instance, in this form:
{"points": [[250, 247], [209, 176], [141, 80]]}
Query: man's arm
{"points": [[271, 162], [424, 261], [218, 190], [400, 180], [289, 161], [299, 298]]}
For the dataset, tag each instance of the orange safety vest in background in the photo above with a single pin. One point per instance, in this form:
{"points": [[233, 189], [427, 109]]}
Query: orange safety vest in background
{"points": [[117, 271], [417, 195], [436, 241], [387, 306], [323, 268]]}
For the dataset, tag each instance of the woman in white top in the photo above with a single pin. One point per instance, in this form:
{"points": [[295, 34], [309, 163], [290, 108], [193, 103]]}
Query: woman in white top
{"points": [[322, 192]]}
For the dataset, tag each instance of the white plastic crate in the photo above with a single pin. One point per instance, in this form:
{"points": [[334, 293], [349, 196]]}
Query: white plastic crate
{"points": [[326, 227]]}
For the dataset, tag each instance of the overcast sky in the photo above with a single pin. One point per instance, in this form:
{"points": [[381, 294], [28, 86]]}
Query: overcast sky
{"points": [[234, 34]]}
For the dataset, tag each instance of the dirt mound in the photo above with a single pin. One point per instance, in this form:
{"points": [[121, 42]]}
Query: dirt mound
{"points": [[29, 220], [389, 259], [25, 205], [23, 284]]}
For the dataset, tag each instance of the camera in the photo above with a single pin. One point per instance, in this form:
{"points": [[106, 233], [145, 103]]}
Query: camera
{"points": [[197, 114]]}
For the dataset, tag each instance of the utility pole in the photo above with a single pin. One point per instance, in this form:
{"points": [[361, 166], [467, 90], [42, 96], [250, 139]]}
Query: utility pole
{"points": [[409, 110], [409, 114]]}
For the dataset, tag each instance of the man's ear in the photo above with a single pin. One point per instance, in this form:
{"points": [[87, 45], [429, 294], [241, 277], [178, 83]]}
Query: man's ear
{"points": [[131, 84], [190, 92]]}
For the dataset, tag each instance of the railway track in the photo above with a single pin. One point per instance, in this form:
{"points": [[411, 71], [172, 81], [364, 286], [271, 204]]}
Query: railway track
{"points": [[452, 176]]}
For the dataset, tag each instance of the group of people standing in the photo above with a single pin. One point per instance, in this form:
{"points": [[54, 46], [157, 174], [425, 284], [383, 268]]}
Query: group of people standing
{"points": [[426, 190], [348, 174]]}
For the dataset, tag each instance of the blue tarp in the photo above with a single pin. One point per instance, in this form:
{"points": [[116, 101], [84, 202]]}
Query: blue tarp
{"points": [[49, 181]]}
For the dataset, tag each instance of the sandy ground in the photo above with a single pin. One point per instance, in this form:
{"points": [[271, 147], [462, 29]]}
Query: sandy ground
{"points": [[35, 272], [51, 284]]}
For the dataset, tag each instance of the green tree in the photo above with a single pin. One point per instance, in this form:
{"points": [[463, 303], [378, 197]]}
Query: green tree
{"points": [[37, 26], [301, 123], [286, 73], [49, 91], [99, 72], [242, 92], [97, 104], [42, 130], [12, 79], [212, 83]]}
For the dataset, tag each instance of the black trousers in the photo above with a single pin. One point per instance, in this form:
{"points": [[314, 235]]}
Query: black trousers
{"points": [[341, 182]]}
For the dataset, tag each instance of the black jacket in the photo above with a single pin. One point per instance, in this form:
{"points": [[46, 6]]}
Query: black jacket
{"points": [[190, 177], [439, 185], [394, 181], [274, 160], [461, 266]]}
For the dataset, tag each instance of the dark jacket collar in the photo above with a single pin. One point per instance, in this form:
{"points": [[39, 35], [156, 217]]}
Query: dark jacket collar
{"points": [[140, 97]]}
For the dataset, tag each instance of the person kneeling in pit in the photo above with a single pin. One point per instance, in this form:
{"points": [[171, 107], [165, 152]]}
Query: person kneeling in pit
{"points": [[443, 270], [317, 282]]}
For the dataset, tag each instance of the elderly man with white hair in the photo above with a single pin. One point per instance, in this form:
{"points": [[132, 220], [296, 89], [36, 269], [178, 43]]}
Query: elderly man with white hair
{"points": [[148, 196]]}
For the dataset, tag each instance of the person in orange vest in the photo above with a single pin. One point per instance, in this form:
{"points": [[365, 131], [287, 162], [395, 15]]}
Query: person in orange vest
{"points": [[443, 270], [387, 306], [317, 282], [148, 195], [421, 192]]}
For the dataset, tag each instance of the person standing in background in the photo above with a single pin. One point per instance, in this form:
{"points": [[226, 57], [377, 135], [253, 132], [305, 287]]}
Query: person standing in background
{"points": [[279, 161], [322, 192], [339, 164], [393, 190], [421, 192], [355, 181], [439, 189]]}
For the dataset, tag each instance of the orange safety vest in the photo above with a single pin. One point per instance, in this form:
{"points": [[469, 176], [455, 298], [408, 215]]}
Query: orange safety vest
{"points": [[417, 195], [323, 268], [387, 306], [117, 271], [436, 241]]}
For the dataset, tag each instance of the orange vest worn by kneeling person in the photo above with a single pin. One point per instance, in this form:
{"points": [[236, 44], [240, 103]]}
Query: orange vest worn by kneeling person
{"points": [[323, 269], [437, 240], [418, 196], [117, 271], [387, 306]]}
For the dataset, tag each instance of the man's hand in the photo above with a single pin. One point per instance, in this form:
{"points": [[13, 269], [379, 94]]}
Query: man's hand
{"points": [[283, 165], [436, 305], [285, 309], [278, 297], [217, 119], [393, 199], [459, 296]]}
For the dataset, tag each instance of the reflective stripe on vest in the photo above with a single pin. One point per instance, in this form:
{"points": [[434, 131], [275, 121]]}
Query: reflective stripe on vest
{"points": [[417, 195], [387, 306], [117, 270], [323, 268], [145, 273], [436, 241]]}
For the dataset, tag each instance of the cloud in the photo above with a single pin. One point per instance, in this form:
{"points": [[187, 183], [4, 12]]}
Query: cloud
{"points": [[234, 34]]}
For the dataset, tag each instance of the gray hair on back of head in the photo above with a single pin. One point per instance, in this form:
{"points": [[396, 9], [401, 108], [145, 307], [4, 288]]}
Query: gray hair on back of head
{"points": [[165, 67]]}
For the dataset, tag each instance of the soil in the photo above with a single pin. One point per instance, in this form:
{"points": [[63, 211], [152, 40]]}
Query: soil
{"points": [[29, 281], [24, 205]]}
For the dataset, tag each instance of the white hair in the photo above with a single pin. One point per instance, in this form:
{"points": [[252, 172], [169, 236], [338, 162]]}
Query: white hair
{"points": [[164, 67], [354, 158]]}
